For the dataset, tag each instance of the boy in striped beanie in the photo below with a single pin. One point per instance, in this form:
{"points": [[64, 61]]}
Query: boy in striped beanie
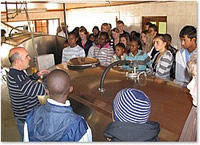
{"points": [[131, 111]]}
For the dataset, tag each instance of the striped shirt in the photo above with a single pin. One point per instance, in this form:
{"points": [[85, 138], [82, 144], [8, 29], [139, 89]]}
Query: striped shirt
{"points": [[69, 53], [104, 54], [142, 59], [23, 91], [163, 66]]}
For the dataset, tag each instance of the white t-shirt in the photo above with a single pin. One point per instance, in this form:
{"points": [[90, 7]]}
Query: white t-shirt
{"points": [[69, 53]]}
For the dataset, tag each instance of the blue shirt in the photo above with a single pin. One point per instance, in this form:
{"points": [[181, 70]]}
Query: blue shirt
{"points": [[142, 59], [187, 55]]}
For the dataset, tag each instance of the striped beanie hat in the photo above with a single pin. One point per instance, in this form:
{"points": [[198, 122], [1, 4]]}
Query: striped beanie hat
{"points": [[131, 105]]}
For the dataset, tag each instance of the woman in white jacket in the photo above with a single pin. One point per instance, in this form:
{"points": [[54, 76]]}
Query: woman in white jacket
{"points": [[189, 132]]}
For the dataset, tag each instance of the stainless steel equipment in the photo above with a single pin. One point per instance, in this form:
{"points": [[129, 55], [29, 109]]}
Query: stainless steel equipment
{"points": [[170, 103], [44, 44], [82, 63]]}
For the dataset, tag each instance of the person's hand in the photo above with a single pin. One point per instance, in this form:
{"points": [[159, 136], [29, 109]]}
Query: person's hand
{"points": [[43, 72], [108, 139]]}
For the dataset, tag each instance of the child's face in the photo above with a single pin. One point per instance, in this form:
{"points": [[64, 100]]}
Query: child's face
{"points": [[123, 40], [159, 44], [104, 29], [102, 41], [152, 31], [82, 35], [120, 27], [119, 51], [134, 46], [91, 38], [143, 37], [187, 42], [72, 40], [115, 35], [146, 27], [96, 40], [95, 31]]}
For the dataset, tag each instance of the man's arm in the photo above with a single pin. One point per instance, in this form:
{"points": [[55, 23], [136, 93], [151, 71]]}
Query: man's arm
{"points": [[31, 87]]}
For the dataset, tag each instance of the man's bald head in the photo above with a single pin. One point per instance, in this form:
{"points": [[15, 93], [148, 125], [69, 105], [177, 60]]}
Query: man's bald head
{"points": [[14, 54], [58, 84], [19, 58]]}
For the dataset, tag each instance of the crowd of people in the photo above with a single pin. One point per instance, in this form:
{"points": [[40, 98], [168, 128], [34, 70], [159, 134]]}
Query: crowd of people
{"points": [[131, 107], [151, 50]]}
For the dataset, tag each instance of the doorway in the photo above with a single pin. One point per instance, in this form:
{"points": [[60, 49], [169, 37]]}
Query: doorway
{"points": [[159, 21]]}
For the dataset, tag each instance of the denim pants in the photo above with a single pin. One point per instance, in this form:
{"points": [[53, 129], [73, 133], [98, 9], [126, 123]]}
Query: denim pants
{"points": [[20, 127]]}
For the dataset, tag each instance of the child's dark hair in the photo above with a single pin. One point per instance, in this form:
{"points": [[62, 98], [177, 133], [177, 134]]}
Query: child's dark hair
{"points": [[154, 27], [73, 33], [91, 35], [190, 31], [105, 34], [95, 27], [76, 31], [168, 37], [148, 23], [125, 36], [137, 34], [120, 45], [145, 31], [84, 30], [136, 39], [133, 32], [115, 30], [120, 22]]}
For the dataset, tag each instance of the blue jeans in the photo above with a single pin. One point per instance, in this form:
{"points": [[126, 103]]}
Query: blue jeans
{"points": [[20, 127]]}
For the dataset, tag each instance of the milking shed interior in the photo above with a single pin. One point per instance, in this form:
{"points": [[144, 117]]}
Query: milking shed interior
{"points": [[170, 102]]}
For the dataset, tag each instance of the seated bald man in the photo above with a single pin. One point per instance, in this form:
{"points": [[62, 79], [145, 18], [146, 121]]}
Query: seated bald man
{"points": [[56, 121], [23, 89]]}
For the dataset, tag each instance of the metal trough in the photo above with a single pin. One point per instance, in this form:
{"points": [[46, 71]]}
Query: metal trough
{"points": [[170, 103]]}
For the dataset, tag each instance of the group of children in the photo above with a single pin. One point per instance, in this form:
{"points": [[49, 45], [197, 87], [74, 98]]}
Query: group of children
{"points": [[150, 50]]}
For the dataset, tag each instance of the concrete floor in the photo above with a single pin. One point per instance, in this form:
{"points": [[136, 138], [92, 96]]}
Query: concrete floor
{"points": [[9, 131]]}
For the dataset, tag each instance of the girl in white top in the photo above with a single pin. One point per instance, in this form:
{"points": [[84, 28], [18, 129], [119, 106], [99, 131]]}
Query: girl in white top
{"points": [[73, 50]]}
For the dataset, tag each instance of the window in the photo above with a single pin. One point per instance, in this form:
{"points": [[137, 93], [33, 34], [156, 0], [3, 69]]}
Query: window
{"points": [[160, 21], [41, 26], [52, 26], [47, 26]]}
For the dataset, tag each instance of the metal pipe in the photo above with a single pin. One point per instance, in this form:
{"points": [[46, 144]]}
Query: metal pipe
{"points": [[6, 11], [29, 25], [19, 29], [16, 9], [65, 20], [101, 89]]}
